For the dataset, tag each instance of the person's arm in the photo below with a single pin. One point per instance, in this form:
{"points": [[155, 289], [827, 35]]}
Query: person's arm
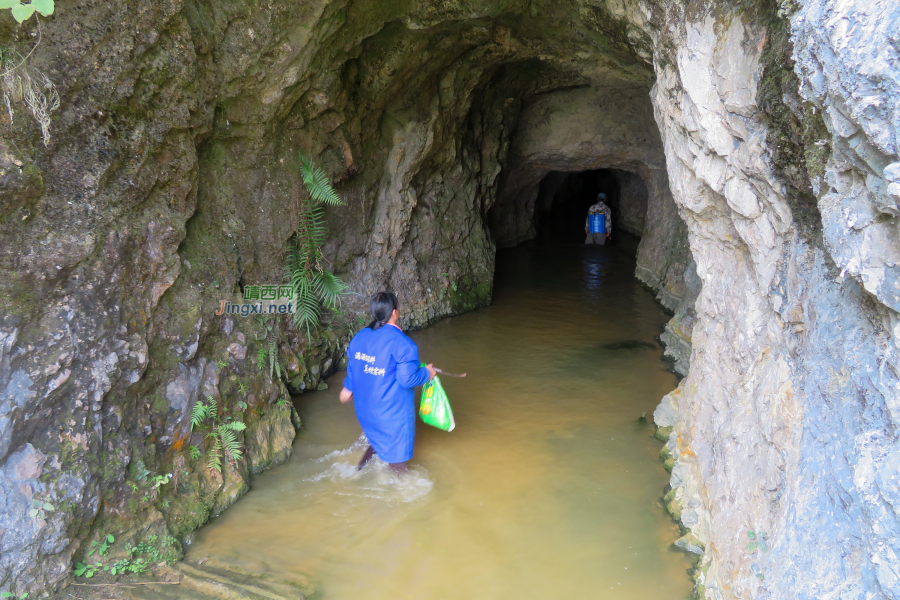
{"points": [[409, 373], [608, 222], [347, 393]]}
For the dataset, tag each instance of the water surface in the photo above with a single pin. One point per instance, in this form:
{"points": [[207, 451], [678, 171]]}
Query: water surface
{"points": [[547, 488]]}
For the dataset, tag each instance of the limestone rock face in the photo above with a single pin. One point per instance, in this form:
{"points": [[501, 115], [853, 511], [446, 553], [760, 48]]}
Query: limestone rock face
{"points": [[269, 440], [766, 146], [785, 419]]}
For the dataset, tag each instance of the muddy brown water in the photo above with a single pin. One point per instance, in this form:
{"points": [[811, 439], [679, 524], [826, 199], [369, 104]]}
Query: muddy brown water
{"points": [[547, 488]]}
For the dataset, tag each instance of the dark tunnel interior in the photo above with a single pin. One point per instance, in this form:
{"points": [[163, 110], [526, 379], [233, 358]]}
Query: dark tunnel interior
{"points": [[564, 199]]}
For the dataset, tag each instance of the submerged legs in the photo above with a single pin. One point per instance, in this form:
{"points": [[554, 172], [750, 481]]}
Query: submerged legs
{"points": [[366, 458], [370, 453]]}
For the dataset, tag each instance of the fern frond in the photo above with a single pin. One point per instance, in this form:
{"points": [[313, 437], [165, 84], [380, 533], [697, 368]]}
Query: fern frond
{"points": [[317, 183], [330, 288], [213, 406], [273, 356], [235, 426], [261, 355], [308, 309], [230, 442], [199, 413], [313, 286], [215, 454], [311, 232]]}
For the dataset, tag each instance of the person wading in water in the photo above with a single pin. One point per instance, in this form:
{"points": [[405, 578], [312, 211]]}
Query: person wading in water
{"points": [[598, 225], [382, 370]]}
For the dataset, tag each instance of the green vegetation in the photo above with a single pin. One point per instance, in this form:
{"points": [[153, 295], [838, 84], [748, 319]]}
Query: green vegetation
{"points": [[222, 433], [275, 367], [40, 509], [22, 83], [314, 286], [758, 541], [22, 12], [83, 570], [142, 480], [261, 355], [102, 548], [137, 559], [269, 354], [448, 283], [158, 480], [6, 595]]}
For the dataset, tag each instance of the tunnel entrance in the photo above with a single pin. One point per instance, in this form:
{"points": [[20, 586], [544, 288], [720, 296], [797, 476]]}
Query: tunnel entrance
{"points": [[563, 200]]}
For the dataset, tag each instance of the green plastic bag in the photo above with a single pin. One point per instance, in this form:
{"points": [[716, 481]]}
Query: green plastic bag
{"points": [[435, 407]]}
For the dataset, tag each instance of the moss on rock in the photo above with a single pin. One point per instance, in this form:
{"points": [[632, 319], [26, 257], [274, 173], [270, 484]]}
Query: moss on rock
{"points": [[663, 433]]}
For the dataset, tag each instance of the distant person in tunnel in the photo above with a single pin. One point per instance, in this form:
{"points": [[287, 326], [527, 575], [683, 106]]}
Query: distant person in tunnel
{"points": [[382, 370], [598, 224]]}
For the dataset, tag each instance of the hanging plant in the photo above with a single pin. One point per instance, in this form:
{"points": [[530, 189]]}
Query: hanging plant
{"points": [[22, 83], [314, 286], [22, 12]]}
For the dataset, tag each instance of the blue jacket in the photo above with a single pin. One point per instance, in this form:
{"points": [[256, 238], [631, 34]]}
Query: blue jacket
{"points": [[382, 370]]}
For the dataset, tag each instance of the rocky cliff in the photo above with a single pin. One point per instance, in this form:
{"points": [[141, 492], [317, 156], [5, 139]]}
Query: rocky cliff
{"points": [[765, 137]]}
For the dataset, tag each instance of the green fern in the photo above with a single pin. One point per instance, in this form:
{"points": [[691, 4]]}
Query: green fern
{"points": [[313, 285], [202, 411], [223, 435], [317, 183], [215, 452], [229, 440], [261, 355], [274, 362]]}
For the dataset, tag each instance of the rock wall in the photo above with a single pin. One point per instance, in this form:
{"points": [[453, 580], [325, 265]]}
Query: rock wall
{"points": [[784, 442], [632, 202]]}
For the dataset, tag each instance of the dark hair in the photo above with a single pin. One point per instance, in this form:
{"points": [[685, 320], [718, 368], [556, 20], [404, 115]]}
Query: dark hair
{"points": [[382, 305]]}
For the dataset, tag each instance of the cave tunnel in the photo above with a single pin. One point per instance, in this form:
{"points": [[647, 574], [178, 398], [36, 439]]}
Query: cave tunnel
{"points": [[564, 198], [179, 155]]}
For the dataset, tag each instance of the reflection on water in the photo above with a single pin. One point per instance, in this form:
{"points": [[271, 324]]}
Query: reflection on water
{"points": [[547, 488]]}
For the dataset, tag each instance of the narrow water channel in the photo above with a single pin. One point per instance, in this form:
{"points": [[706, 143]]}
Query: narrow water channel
{"points": [[547, 488]]}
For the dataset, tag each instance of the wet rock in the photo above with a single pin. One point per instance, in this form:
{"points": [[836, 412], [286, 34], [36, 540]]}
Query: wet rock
{"points": [[269, 440], [690, 544], [663, 433], [21, 184], [210, 580], [238, 351], [20, 530], [666, 414]]}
